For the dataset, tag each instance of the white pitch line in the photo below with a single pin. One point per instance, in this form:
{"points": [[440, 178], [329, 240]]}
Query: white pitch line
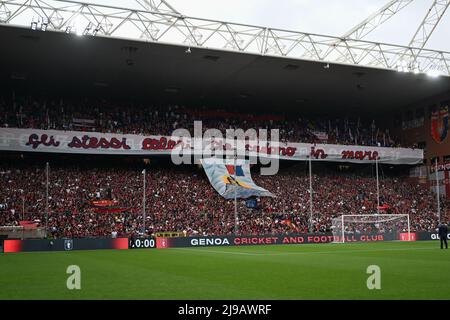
{"points": [[300, 253], [212, 251], [353, 251]]}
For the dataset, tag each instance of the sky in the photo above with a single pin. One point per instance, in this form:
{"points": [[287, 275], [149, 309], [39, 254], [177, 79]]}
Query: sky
{"points": [[329, 17]]}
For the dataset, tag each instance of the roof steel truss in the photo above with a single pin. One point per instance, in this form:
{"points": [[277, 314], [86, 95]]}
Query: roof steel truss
{"points": [[154, 25]]}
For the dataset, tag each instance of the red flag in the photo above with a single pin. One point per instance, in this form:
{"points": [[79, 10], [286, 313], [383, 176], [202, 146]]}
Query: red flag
{"points": [[28, 224]]}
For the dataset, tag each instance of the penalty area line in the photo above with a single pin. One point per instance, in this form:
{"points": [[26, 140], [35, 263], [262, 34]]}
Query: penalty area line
{"points": [[265, 253]]}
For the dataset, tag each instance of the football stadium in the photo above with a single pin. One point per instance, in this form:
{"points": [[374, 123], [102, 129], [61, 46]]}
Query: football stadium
{"points": [[149, 155]]}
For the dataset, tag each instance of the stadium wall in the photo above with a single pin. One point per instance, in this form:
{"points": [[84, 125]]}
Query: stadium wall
{"points": [[64, 244], [426, 236], [248, 240], [211, 241], [414, 125], [221, 241]]}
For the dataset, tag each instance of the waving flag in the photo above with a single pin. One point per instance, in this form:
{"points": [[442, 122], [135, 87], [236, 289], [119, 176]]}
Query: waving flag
{"points": [[228, 177], [440, 124]]}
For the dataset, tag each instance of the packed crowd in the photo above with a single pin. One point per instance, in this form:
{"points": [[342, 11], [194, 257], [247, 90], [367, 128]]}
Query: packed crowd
{"points": [[105, 116], [182, 200]]}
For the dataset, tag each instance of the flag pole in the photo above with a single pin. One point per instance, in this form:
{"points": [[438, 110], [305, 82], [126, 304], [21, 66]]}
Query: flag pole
{"points": [[437, 192], [235, 195], [46, 199], [143, 203], [310, 196], [23, 211], [378, 185]]}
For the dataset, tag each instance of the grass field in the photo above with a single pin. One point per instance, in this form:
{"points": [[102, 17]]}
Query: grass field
{"points": [[418, 270]]}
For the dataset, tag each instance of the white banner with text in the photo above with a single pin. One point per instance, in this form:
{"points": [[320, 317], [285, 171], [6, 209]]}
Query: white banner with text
{"points": [[77, 142]]}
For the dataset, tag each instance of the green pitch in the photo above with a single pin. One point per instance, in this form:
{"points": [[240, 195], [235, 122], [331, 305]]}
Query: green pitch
{"points": [[418, 270]]}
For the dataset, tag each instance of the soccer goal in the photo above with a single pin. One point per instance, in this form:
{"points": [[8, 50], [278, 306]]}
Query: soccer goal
{"points": [[354, 227]]}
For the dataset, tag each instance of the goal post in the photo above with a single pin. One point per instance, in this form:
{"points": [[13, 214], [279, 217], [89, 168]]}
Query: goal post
{"points": [[369, 224]]}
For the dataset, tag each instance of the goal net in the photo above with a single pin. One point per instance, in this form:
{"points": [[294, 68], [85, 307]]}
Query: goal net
{"points": [[363, 227]]}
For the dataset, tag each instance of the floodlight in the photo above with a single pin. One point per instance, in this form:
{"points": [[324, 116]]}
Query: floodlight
{"points": [[403, 66], [416, 69], [434, 73], [78, 31], [88, 29], [34, 24], [44, 24]]}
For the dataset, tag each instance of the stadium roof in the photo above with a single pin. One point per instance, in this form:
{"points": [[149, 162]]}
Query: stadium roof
{"points": [[167, 73]]}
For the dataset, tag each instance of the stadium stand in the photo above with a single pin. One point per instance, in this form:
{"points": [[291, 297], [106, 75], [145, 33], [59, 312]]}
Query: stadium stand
{"points": [[180, 199], [101, 115]]}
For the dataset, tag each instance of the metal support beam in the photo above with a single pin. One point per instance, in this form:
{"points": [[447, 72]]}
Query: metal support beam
{"points": [[86, 19], [157, 6], [371, 23], [376, 19], [429, 23]]}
